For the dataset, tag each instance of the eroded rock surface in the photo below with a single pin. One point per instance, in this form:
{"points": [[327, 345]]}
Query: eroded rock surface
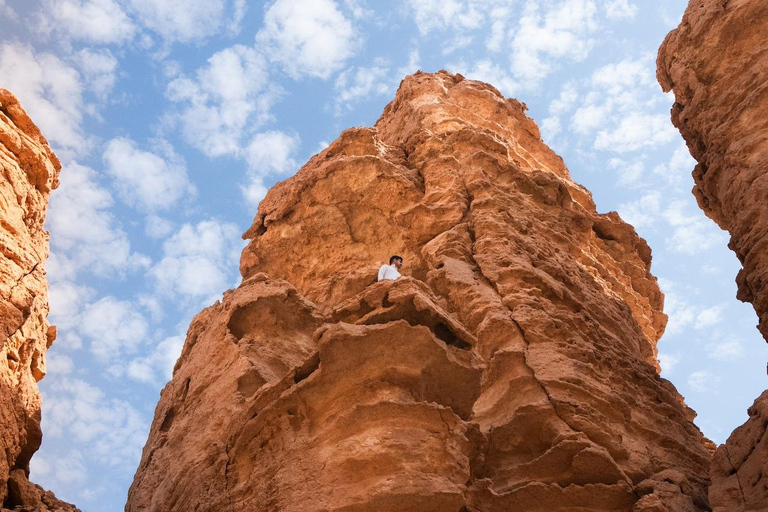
{"points": [[29, 173], [512, 368], [716, 62]]}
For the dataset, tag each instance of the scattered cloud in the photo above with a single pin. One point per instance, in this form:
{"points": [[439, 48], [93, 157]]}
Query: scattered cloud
{"points": [[84, 233], [51, 92], [636, 131], [677, 171], [311, 39], [269, 153], [668, 363], [227, 97], [709, 317], [643, 213], [157, 227], [183, 21], [147, 180], [99, 69], [113, 429], [681, 313], [115, 328], [730, 349], [691, 232], [355, 84], [551, 31], [432, 15], [156, 368], [199, 261], [620, 9], [703, 381], [90, 21]]}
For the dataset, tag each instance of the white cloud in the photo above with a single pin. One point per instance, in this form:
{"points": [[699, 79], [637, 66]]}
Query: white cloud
{"points": [[709, 317], [268, 154], [361, 83], [630, 173], [668, 362], [307, 38], [499, 30], [703, 381], [92, 21], [488, 71], [146, 180], [726, 350], [643, 213], [114, 327], [620, 9], [157, 367], [182, 20], [226, 96], [441, 14], [67, 301], [99, 67], [561, 31], [60, 471], [636, 131], [199, 260], [680, 312], [678, 170], [157, 227], [692, 232], [84, 233], [113, 429], [7, 11], [58, 364], [50, 91]]}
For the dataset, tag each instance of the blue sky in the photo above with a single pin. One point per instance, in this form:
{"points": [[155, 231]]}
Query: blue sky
{"points": [[173, 117]]}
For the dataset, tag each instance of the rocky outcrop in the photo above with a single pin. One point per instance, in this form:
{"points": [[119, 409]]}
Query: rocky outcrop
{"points": [[29, 173], [512, 367], [716, 62]]}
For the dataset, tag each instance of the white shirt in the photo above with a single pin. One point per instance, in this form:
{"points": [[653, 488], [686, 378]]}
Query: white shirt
{"points": [[388, 272]]}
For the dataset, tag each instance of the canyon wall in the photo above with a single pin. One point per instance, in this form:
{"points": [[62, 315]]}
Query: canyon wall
{"points": [[512, 367], [716, 62], [29, 172]]}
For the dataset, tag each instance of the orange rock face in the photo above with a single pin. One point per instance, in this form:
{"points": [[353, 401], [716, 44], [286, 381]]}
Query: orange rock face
{"points": [[512, 367], [29, 172], [717, 65]]}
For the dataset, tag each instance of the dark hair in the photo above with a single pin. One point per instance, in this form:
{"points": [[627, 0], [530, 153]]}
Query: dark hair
{"points": [[393, 258]]}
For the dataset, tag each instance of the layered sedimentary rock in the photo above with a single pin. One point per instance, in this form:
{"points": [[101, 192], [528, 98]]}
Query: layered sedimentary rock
{"points": [[716, 62], [512, 367], [29, 173]]}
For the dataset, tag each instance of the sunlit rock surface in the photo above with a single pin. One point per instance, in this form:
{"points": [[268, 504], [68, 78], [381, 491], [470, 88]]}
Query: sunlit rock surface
{"points": [[512, 367], [716, 62], [29, 172]]}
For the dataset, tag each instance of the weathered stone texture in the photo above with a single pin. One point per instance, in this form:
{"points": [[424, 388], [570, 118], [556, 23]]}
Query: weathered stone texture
{"points": [[716, 62], [29, 173], [512, 368]]}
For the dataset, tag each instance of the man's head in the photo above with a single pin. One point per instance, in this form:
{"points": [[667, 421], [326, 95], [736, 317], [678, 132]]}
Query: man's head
{"points": [[396, 261]]}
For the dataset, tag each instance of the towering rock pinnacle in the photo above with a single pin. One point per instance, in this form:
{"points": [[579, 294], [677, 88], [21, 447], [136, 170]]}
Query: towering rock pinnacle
{"points": [[716, 62], [29, 172], [512, 367]]}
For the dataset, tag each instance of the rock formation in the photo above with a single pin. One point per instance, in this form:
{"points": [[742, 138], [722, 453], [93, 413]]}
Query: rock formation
{"points": [[511, 368], [29, 173], [716, 62]]}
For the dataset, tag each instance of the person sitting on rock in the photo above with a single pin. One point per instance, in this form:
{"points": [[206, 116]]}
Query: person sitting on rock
{"points": [[391, 271]]}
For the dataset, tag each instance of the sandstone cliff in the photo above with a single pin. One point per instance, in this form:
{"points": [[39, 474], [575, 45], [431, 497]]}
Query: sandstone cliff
{"points": [[716, 62], [29, 173], [512, 368]]}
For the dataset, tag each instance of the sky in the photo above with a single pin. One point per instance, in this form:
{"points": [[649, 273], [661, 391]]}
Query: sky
{"points": [[173, 117]]}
